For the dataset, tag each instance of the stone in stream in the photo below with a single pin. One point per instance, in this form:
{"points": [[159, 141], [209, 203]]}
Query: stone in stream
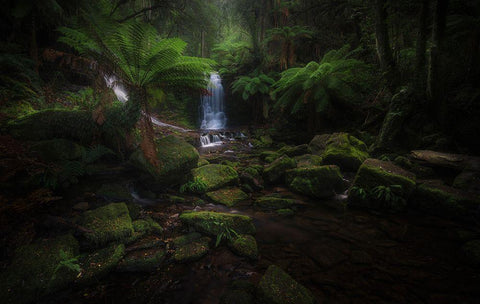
{"points": [[275, 172], [215, 176], [98, 264], [143, 227], [316, 181], [175, 158], [215, 223], [274, 202], [244, 245], [341, 149], [35, 270], [375, 175], [190, 247], [108, 223], [308, 160], [433, 197], [228, 196], [277, 287], [144, 260], [294, 151]]}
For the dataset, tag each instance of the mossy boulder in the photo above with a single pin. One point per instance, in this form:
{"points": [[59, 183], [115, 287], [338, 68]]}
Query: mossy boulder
{"points": [[175, 158], [433, 197], [55, 123], [374, 173], [190, 247], [107, 224], [308, 160], [286, 212], [269, 156], [144, 260], [244, 245], [273, 202], [147, 225], [33, 272], [252, 177], [216, 176], [115, 192], [275, 172], [316, 181], [228, 196], [214, 223], [202, 162], [471, 251], [57, 149], [98, 264], [278, 287], [292, 151]]}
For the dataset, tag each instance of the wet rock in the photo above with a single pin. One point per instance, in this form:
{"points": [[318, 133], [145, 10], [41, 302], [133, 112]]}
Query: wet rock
{"points": [[308, 160], [144, 260], [435, 198], [277, 287], [57, 149], [471, 250], [274, 202], [214, 223], [216, 176], [175, 160], [109, 223], [294, 151], [33, 272], [275, 172], [190, 247], [244, 245], [99, 263], [375, 173], [228, 197], [316, 181]]}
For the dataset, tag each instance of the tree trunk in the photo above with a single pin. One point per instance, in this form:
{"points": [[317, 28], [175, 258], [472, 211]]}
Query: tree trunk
{"points": [[382, 39], [434, 82], [420, 57]]}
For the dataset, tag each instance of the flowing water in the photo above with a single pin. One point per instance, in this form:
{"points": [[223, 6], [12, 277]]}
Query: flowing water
{"points": [[212, 115]]}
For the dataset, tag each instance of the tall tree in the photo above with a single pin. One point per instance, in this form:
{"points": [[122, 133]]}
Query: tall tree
{"points": [[384, 51]]}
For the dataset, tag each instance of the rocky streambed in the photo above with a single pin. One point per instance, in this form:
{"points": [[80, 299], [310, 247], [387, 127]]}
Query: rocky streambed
{"points": [[262, 225]]}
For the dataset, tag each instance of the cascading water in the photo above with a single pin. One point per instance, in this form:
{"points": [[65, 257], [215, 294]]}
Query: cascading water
{"points": [[212, 115]]}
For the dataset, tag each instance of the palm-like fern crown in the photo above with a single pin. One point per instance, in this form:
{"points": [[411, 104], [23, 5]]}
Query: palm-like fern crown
{"points": [[335, 77], [136, 53], [288, 33], [250, 86]]}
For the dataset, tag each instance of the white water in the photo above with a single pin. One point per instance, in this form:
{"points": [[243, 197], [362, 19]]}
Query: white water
{"points": [[212, 115]]}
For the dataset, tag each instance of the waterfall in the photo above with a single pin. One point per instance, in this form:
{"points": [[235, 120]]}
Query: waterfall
{"points": [[212, 115]]}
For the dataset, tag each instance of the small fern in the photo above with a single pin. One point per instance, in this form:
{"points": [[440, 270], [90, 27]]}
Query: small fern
{"points": [[68, 262]]}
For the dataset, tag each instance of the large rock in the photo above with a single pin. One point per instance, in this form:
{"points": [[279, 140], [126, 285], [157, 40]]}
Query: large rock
{"points": [[215, 176], [308, 160], [275, 172], [190, 247], [98, 264], [244, 245], [341, 149], [316, 181], [373, 177], [175, 158], [433, 197], [228, 197], [215, 223], [295, 150], [57, 149], [277, 287], [35, 270], [108, 223], [274, 202], [144, 260]]}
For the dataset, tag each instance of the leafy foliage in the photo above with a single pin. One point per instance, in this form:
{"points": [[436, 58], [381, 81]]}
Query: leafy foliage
{"points": [[225, 231], [68, 262], [336, 78], [252, 85]]}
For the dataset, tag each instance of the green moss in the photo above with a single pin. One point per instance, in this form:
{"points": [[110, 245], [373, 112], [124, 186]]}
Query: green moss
{"points": [[345, 151], [245, 245], [403, 162], [294, 151], [108, 223], [277, 287], [435, 198], [471, 251], [216, 176], [115, 192], [285, 212], [186, 239], [202, 162], [316, 181], [275, 172], [175, 160], [209, 222], [273, 203], [373, 173], [144, 260], [269, 156], [98, 264], [191, 248], [57, 149], [32, 271], [228, 197], [308, 160]]}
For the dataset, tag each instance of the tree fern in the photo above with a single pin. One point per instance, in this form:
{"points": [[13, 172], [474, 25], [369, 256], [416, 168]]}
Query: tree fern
{"points": [[336, 78]]}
